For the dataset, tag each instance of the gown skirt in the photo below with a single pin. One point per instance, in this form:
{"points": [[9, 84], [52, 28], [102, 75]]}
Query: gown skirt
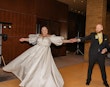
{"points": [[35, 67]]}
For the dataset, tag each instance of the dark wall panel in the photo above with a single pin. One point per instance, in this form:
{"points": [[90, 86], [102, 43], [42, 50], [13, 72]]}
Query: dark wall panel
{"points": [[22, 25], [23, 15], [51, 9], [20, 6]]}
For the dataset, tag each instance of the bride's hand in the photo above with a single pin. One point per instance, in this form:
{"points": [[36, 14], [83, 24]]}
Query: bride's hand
{"points": [[73, 40], [22, 39]]}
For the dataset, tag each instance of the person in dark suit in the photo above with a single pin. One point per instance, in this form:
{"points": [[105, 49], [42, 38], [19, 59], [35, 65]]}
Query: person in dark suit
{"points": [[99, 47]]}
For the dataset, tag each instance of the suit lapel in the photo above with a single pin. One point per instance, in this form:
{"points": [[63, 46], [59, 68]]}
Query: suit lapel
{"points": [[103, 38]]}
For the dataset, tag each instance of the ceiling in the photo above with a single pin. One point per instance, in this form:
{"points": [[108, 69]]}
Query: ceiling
{"points": [[79, 6]]}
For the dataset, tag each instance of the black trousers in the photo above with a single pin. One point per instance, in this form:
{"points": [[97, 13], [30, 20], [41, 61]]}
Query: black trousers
{"points": [[100, 59]]}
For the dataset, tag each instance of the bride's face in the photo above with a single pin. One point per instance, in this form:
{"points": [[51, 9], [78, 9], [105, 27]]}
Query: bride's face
{"points": [[44, 31]]}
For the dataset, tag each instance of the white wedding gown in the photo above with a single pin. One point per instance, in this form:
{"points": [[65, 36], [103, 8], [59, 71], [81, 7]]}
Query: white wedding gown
{"points": [[35, 67]]}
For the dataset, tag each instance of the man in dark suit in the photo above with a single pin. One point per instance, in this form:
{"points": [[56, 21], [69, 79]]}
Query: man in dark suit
{"points": [[99, 46]]}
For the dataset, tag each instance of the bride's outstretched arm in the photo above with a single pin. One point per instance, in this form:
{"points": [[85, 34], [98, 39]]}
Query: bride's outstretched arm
{"points": [[24, 39], [70, 40]]}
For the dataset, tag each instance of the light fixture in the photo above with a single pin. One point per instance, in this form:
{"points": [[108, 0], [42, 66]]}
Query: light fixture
{"points": [[6, 25], [9, 26], [82, 1], [79, 11]]}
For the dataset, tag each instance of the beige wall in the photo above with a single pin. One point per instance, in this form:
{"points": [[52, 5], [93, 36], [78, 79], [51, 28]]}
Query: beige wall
{"points": [[96, 13], [108, 25]]}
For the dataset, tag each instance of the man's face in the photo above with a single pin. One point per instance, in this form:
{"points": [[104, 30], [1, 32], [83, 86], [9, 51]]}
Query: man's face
{"points": [[99, 28]]}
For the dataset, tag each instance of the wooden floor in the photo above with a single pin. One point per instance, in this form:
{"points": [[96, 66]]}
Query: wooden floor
{"points": [[74, 76]]}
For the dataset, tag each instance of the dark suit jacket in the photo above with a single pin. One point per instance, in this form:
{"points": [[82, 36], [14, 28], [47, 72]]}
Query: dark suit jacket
{"points": [[95, 46]]}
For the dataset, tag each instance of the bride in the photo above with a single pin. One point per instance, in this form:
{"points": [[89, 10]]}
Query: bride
{"points": [[35, 67]]}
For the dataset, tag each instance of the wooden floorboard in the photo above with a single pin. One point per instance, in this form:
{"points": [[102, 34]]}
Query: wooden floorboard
{"points": [[74, 76]]}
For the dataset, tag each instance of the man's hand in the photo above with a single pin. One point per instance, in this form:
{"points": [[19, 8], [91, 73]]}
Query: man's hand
{"points": [[104, 51]]}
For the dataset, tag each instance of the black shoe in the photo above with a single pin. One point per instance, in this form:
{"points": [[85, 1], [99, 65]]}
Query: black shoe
{"points": [[106, 84], [88, 82]]}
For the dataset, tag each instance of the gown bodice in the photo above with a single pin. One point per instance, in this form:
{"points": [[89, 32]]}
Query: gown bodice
{"points": [[45, 41]]}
